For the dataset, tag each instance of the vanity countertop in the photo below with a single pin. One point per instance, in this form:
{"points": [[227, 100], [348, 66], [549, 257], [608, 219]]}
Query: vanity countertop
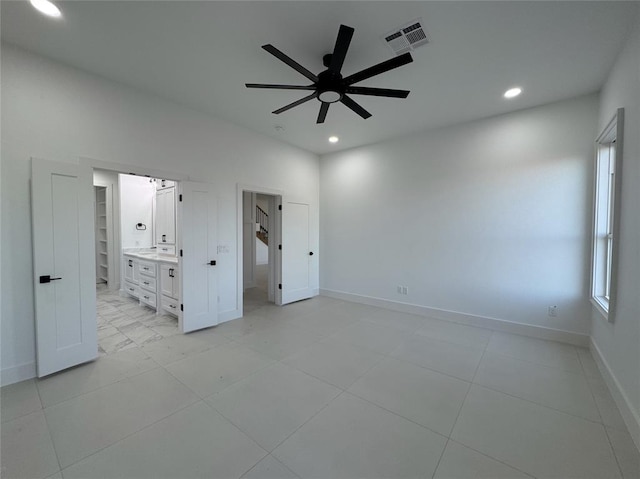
{"points": [[152, 256]]}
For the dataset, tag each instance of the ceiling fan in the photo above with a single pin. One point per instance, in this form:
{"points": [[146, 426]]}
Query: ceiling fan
{"points": [[329, 86]]}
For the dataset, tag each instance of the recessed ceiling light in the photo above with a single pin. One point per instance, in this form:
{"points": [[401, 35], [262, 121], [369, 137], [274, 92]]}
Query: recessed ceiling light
{"points": [[46, 7], [512, 92], [333, 139]]}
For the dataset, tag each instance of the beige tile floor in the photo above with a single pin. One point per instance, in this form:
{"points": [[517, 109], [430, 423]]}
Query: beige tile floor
{"points": [[322, 389]]}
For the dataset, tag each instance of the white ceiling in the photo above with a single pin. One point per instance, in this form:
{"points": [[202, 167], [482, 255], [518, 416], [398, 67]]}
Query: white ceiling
{"points": [[202, 53]]}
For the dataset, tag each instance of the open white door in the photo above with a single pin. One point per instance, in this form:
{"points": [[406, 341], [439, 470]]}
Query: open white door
{"points": [[296, 255], [197, 226], [63, 265]]}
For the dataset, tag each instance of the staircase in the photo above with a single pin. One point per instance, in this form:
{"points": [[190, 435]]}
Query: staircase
{"points": [[262, 231]]}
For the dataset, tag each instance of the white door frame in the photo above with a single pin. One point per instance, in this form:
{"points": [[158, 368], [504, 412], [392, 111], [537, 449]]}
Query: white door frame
{"points": [[275, 261]]}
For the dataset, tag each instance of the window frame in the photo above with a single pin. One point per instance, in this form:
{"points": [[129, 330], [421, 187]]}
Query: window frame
{"points": [[606, 217]]}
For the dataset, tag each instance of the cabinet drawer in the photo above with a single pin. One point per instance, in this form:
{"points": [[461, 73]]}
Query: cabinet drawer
{"points": [[170, 305], [147, 268], [166, 249], [132, 289], [148, 298], [148, 283]]}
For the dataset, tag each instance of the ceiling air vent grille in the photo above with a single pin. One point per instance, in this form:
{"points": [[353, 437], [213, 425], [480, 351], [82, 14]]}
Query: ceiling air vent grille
{"points": [[407, 38]]}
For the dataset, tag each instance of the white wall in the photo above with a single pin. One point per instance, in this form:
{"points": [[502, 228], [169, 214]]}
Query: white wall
{"points": [[262, 252], [489, 218], [54, 112], [136, 206], [619, 343], [263, 202]]}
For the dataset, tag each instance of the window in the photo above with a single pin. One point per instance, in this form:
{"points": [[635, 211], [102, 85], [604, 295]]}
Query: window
{"points": [[606, 219]]}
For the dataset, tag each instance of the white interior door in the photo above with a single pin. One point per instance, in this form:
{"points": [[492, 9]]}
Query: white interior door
{"points": [[296, 255], [198, 217], [63, 265]]}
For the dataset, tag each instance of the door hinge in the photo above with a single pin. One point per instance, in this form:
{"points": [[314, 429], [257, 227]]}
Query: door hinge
{"points": [[280, 246], [280, 286], [181, 307], [280, 207], [180, 252], [180, 197]]}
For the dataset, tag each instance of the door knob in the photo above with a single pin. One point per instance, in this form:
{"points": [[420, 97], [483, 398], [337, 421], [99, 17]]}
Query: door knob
{"points": [[211, 263], [310, 253], [47, 279]]}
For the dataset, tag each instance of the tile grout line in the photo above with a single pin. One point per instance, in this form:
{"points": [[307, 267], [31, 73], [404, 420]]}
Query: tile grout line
{"points": [[493, 458], [449, 439], [435, 470], [104, 385], [132, 434], [397, 414], [604, 426], [46, 421]]}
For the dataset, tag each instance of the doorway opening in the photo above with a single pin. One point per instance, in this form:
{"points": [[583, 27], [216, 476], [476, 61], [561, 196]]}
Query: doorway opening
{"points": [[135, 230], [259, 246]]}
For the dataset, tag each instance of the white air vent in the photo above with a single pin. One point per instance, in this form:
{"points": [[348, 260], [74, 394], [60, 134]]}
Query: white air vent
{"points": [[406, 38]]}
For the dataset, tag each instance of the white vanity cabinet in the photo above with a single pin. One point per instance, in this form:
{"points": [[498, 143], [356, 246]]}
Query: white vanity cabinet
{"points": [[131, 276], [148, 284], [165, 227], [169, 288], [153, 279]]}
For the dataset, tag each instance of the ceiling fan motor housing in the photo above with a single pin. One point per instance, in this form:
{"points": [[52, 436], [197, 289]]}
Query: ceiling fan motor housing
{"points": [[330, 87]]}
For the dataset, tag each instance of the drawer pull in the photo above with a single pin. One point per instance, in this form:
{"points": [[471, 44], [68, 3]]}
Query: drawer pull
{"points": [[146, 297], [172, 306], [146, 282]]}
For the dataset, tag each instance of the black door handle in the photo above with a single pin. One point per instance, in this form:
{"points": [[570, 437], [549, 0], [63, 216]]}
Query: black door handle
{"points": [[310, 253], [47, 279], [212, 262]]}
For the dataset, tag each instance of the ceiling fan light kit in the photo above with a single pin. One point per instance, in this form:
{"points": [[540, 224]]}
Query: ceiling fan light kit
{"points": [[329, 86]]}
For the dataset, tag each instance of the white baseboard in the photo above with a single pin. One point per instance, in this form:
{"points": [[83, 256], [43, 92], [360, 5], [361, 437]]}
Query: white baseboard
{"points": [[629, 414], [539, 332], [15, 374]]}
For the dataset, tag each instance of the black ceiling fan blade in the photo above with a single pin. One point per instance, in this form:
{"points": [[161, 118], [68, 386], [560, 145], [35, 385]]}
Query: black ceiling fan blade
{"points": [[280, 87], [355, 107], [363, 90], [296, 103], [379, 68], [340, 50], [323, 112], [291, 62]]}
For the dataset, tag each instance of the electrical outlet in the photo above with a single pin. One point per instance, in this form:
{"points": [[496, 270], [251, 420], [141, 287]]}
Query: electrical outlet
{"points": [[553, 311]]}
